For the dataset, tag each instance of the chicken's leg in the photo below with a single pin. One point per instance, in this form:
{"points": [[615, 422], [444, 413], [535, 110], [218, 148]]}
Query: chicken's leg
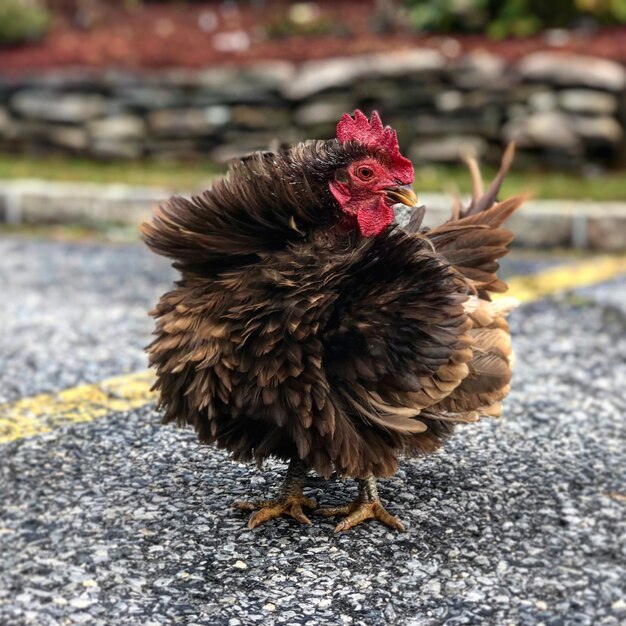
{"points": [[289, 502], [366, 506]]}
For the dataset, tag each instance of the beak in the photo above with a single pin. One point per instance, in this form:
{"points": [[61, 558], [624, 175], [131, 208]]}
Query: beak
{"points": [[403, 194]]}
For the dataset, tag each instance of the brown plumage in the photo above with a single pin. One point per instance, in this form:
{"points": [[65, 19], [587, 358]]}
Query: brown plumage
{"points": [[292, 334]]}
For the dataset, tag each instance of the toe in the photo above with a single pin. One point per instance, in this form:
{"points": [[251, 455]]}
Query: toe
{"points": [[329, 511], [344, 525], [261, 516], [245, 505], [332, 511], [249, 505], [382, 515], [297, 514], [356, 517]]}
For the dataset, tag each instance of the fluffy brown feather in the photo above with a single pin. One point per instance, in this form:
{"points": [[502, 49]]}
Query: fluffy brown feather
{"points": [[289, 336]]}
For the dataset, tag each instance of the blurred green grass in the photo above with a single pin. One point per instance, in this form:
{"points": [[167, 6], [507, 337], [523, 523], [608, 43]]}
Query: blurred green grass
{"points": [[174, 175], [609, 186], [177, 176]]}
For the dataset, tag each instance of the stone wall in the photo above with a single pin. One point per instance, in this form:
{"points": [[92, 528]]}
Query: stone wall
{"points": [[563, 111]]}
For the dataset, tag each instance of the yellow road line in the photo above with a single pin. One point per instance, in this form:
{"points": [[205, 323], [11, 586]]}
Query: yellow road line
{"points": [[42, 413], [566, 277]]}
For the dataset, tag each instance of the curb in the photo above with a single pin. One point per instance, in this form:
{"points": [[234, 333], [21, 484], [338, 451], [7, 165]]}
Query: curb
{"points": [[540, 224]]}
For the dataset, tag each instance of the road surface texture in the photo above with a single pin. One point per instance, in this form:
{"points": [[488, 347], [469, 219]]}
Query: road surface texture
{"points": [[123, 521]]}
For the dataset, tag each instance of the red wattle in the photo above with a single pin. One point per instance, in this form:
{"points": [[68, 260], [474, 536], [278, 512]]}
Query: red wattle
{"points": [[374, 218]]}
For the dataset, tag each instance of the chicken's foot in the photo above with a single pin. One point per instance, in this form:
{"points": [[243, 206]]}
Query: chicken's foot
{"points": [[290, 500], [366, 506]]}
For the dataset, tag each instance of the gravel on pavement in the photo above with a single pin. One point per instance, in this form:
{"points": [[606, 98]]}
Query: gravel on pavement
{"points": [[73, 313]]}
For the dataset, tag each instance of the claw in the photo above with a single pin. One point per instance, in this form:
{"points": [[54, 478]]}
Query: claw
{"points": [[358, 512], [331, 511]]}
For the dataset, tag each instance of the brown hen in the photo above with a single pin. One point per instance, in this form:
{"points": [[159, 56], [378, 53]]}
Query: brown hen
{"points": [[307, 327]]}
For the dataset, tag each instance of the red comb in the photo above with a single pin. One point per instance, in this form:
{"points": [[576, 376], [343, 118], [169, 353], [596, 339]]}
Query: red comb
{"points": [[373, 135]]}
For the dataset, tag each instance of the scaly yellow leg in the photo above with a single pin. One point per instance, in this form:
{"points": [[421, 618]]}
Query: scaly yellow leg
{"points": [[290, 501]]}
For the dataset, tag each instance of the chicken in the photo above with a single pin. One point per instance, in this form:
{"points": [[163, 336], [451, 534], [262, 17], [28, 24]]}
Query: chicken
{"points": [[306, 326]]}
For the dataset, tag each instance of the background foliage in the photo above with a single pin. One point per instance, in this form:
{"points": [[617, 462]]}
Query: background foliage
{"points": [[28, 20], [514, 17], [22, 20]]}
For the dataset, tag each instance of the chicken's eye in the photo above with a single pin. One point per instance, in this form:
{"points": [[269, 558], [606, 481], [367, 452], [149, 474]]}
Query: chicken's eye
{"points": [[365, 173]]}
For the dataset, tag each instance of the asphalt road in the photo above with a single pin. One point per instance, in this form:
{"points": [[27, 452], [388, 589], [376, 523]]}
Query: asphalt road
{"points": [[124, 521]]}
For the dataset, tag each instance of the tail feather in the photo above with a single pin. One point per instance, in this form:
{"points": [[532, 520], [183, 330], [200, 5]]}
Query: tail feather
{"points": [[482, 201], [473, 239]]}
